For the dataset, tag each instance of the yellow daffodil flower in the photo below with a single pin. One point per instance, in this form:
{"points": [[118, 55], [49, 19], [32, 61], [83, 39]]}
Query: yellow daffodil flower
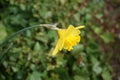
{"points": [[67, 38]]}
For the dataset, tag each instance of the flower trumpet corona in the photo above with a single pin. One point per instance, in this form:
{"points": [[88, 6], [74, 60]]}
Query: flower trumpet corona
{"points": [[67, 38]]}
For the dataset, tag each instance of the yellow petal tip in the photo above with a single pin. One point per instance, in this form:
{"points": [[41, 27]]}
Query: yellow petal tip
{"points": [[80, 27]]}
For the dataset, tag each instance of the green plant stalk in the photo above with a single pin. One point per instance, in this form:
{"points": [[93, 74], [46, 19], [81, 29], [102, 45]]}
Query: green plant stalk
{"points": [[51, 26], [15, 34]]}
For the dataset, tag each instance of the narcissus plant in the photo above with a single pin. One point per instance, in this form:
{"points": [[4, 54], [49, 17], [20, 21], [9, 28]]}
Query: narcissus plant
{"points": [[67, 38]]}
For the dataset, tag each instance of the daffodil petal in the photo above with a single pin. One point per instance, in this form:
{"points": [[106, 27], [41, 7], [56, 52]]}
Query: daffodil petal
{"points": [[69, 31], [58, 47], [80, 27]]}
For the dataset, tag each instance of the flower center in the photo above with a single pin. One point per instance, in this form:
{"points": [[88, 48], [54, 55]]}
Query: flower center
{"points": [[71, 41]]}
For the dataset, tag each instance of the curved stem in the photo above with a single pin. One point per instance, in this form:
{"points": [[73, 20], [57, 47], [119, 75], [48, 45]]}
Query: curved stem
{"points": [[51, 26], [13, 35]]}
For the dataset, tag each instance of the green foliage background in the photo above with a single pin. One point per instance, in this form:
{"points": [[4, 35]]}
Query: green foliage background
{"points": [[29, 56]]}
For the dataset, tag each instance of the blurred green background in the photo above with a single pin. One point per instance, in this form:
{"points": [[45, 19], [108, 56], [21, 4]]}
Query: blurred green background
{"points": [[96, 57]]}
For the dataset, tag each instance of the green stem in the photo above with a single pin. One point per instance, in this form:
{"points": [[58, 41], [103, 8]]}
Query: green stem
{"points": [[51, 26], [13, 35]]}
